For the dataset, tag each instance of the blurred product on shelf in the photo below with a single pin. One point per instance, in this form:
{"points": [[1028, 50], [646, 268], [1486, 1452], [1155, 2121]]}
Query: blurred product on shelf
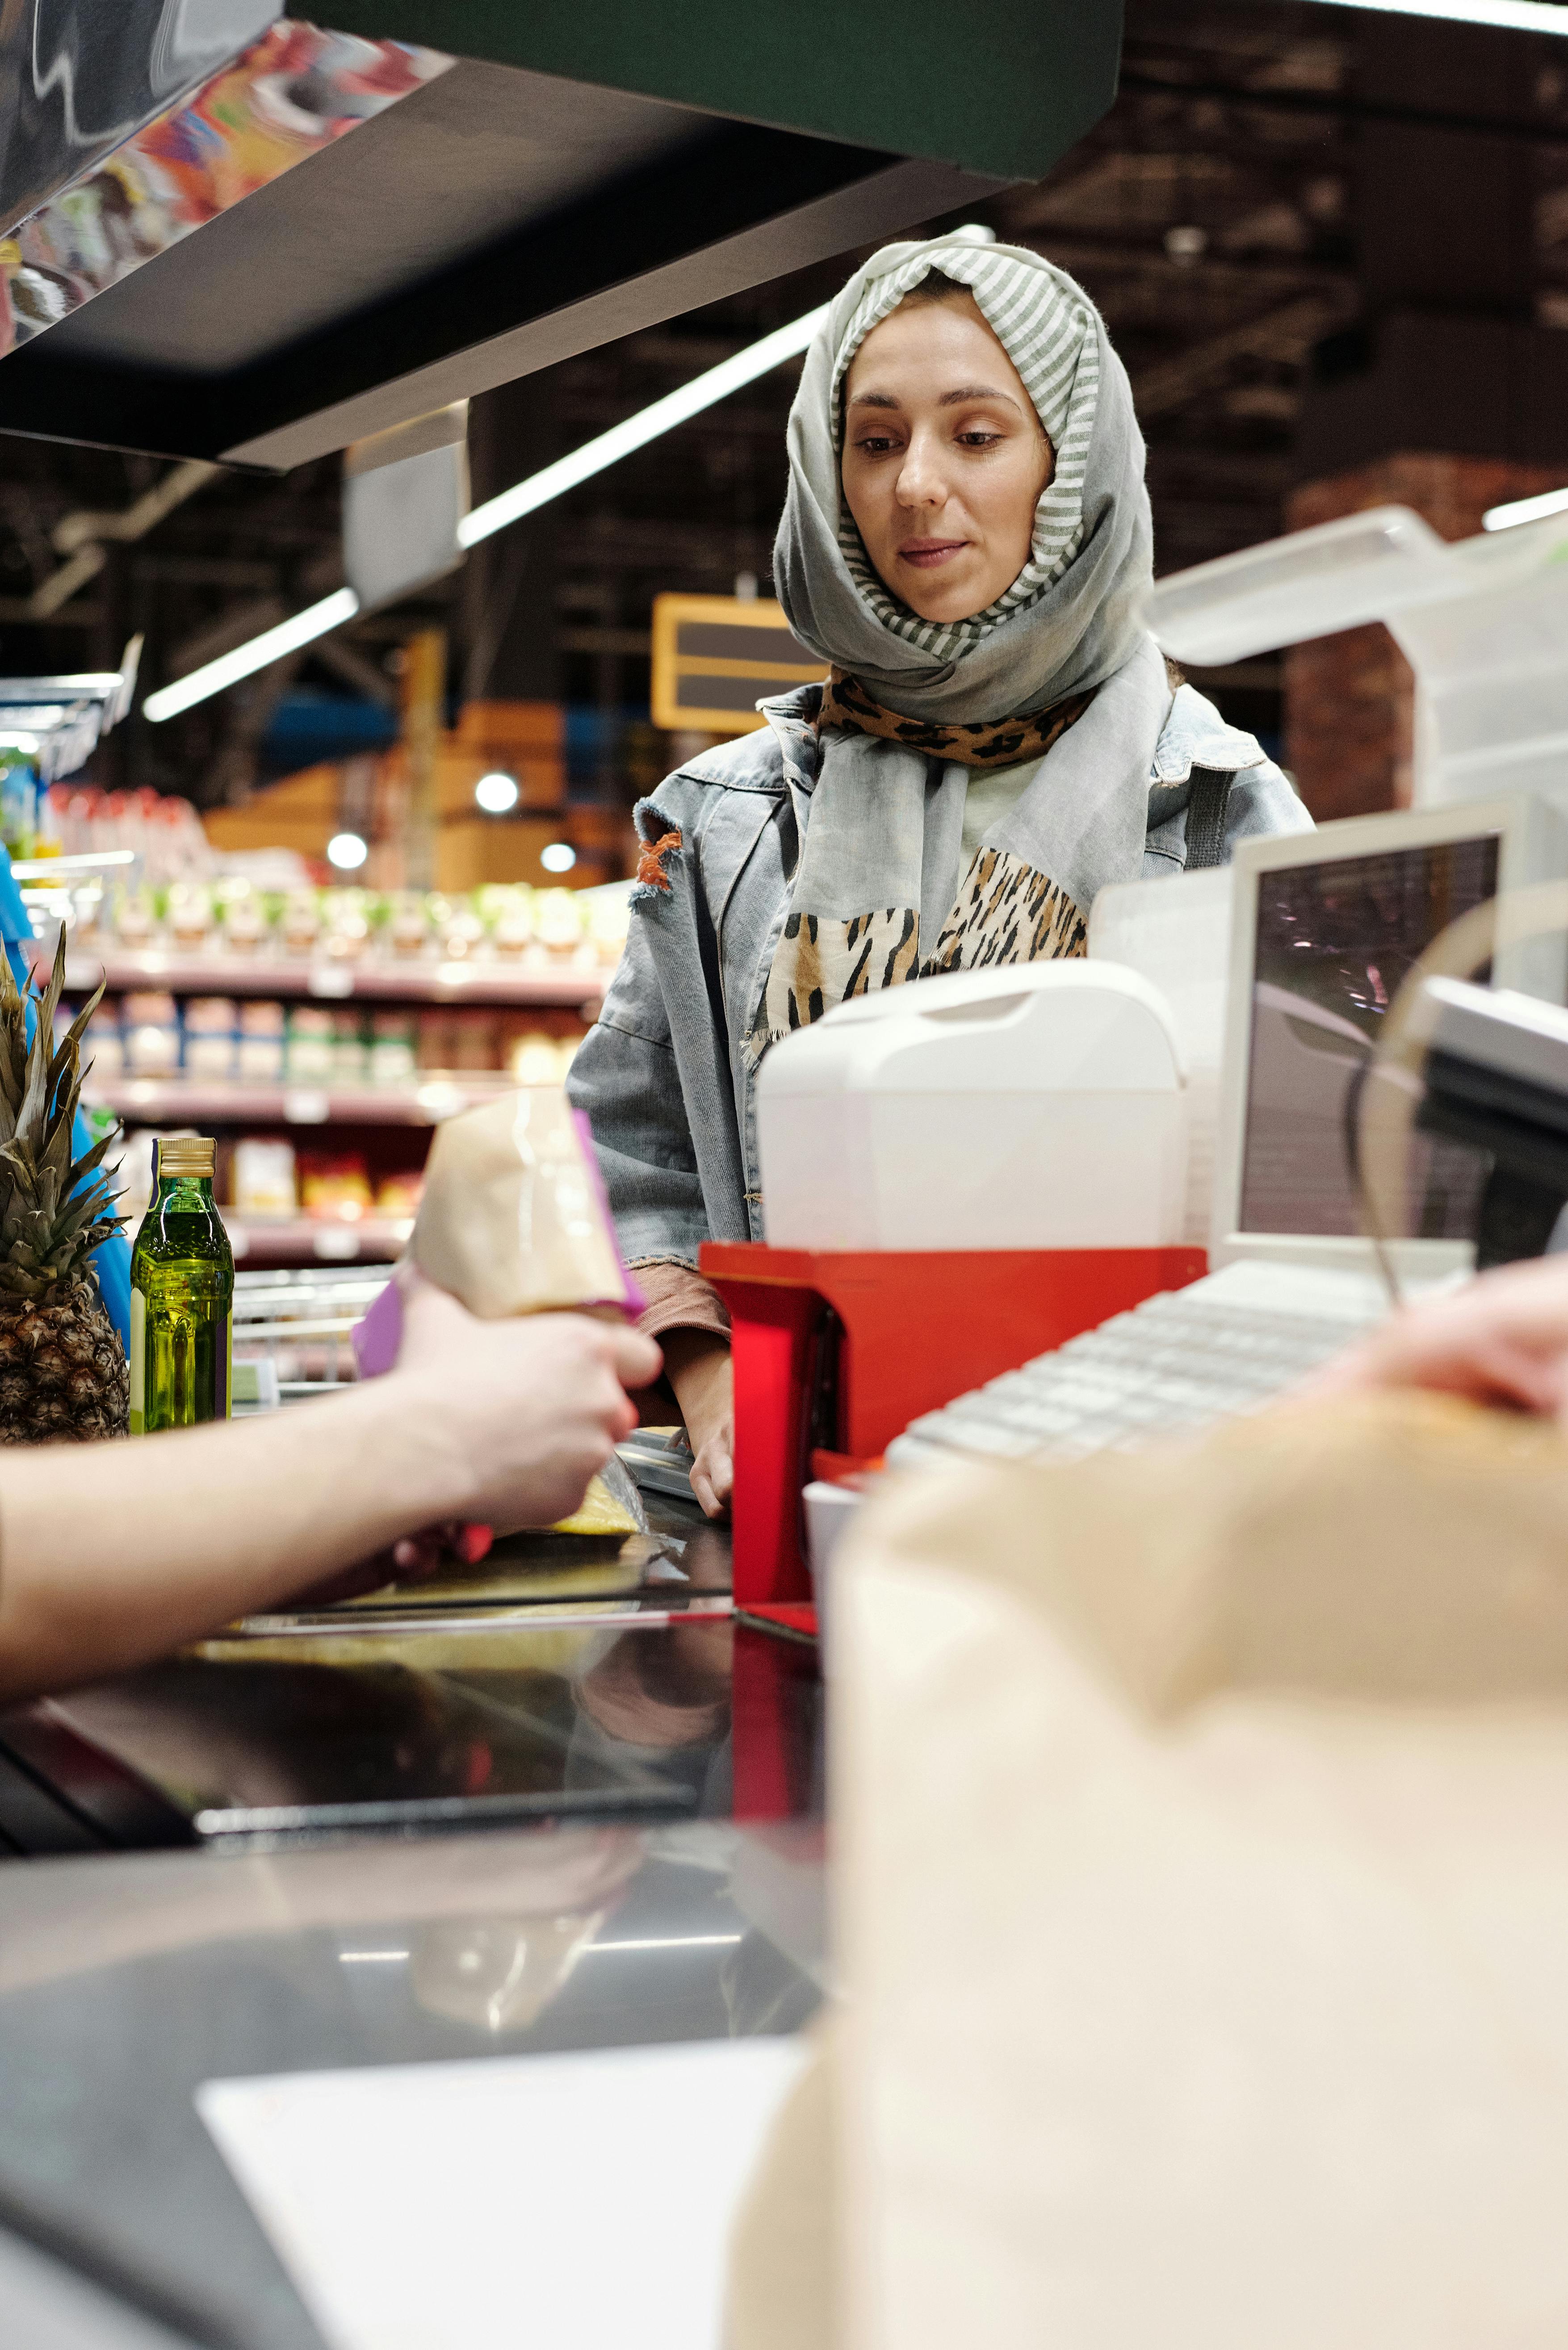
{"points": [[164, 835], [308, 1055], [211, 1037], [150, 1025], [335, 1184], [261, 1043], [20, 828], [263, 1180], [398, 1196], [394, 1048], [105, 1053], [557, 934]]}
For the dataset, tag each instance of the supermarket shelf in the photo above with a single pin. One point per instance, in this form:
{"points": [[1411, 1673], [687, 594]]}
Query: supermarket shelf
{"points": [[260, 1242], [578, 987], [178, 1101]]}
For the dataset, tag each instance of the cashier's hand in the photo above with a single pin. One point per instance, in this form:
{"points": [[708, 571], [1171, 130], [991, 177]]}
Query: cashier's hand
{"points": [[1502, 1340], [522, 1413], [703, 1380]]}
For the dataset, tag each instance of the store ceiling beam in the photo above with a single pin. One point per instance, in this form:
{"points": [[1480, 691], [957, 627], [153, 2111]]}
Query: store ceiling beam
{"points": [[574, 177]]}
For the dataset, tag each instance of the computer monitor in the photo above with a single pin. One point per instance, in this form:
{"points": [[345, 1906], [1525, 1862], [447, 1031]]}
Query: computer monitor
{"points": [[1325, 927]]}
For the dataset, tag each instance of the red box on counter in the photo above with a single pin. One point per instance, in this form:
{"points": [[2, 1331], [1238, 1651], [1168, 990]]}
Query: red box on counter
{"points": [[836, 1352]]}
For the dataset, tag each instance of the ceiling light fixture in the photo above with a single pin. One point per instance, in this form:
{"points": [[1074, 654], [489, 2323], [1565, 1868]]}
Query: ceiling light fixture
{"points": [[558, 857], [271, 645], [347, 851], [1519, 510], [1512, 15], [496, 793], [523, 498]]}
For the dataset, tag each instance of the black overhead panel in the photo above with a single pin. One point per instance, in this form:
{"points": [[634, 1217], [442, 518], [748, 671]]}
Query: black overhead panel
{"points": [[516, 185]]}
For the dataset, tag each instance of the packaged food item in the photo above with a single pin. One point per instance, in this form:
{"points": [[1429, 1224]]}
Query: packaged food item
{"points": [[264, 1178], [473, 1040], [461, 933], [347, 931], [261, 1043], [559, 922], [181, 1355], [152, 1032], [394, 1046], [436, 1045], [308, 1059], [18, 803], [336, 1187], [513, 934], [350, 1058], [209, 1036], [407, 929], [535, 1060], [105, 1049], [243, 917], [134, 926], [398, 1196], [190, 915], [301, 922], [513, 1218]]}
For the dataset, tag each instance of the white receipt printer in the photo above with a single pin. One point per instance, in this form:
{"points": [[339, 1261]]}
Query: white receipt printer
{"points": [[1030, 1105]]}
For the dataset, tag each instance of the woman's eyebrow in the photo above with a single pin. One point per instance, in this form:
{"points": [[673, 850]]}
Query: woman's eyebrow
{"points": [[975, 391], [874, 399]]}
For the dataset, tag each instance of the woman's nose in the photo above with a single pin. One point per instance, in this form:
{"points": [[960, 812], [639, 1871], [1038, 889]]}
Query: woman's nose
{"points": [[921, 481]]}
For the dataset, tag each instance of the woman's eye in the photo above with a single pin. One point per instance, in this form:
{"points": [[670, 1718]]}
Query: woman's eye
{"points": [[978, 439], [874, 444]]}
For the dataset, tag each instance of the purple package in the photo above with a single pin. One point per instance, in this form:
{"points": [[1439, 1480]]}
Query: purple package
{"points": [[377, 1336]]}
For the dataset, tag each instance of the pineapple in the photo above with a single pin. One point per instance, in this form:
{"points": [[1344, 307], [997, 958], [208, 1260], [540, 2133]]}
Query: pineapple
{"points": [[62, 1368]]}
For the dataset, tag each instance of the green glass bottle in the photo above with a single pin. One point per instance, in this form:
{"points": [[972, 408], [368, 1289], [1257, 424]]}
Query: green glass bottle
{"points": [[181, 1296]]}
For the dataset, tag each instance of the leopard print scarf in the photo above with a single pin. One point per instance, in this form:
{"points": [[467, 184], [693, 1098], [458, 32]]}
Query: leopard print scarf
{"points": [[1002, 743]]}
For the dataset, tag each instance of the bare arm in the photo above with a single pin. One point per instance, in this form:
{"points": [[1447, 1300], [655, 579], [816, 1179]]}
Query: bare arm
{"points": [[111, 1554]]}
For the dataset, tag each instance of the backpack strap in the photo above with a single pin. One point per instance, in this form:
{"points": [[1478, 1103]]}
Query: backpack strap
{"points": [[1205, 806]]}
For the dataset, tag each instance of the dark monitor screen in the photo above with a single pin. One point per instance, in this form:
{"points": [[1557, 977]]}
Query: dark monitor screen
{"points": [[1334, 942]]}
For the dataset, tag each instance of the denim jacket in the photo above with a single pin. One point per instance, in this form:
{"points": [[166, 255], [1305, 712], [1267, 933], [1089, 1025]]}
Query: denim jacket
{"points": [[667, 1075]]}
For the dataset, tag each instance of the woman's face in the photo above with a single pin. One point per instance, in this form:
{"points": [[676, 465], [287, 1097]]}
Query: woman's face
{"points": [[944, 458]]}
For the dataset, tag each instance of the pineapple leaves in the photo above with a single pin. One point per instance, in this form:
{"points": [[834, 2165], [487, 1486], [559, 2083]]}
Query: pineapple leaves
{"points": [[54, 1209]]}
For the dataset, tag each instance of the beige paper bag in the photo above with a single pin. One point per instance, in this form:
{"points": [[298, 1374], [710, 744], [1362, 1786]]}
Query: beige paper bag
{"points": [[512, 1218], [1201, 1878]]}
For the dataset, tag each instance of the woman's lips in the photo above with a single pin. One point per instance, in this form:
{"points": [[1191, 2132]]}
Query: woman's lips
{"points": [[925, 553]]}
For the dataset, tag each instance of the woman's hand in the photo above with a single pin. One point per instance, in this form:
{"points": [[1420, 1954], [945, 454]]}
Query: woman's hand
{"points": [[526, 1410], [703, 1376], [1501, 1340]]}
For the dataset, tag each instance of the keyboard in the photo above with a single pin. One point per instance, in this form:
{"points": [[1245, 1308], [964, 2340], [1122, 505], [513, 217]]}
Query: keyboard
{"points": [[1225, 1345]]}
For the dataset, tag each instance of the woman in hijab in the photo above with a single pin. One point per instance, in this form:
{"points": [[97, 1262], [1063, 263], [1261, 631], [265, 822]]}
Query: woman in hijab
{"points": [[967, 544]]}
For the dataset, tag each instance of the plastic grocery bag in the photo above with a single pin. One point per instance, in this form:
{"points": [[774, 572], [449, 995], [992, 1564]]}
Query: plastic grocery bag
{"points": [[1201, 1857]]}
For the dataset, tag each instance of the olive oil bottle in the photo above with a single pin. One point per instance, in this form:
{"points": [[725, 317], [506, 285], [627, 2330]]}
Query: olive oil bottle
{"points": [[181, 1296]]}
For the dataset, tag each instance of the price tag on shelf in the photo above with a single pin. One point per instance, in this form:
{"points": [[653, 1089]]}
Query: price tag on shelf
{"points": [[331, 978], [304, 1105], [336, 1244]]}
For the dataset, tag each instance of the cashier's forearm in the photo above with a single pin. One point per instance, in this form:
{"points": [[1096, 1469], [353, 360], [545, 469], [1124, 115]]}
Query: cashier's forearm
{"points": [[114, 1553]]}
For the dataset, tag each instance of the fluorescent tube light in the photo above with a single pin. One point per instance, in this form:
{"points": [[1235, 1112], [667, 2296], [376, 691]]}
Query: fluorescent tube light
{"points": [[675, 408], [1512, 15], [1549, 502], [511, 505], [288, 636]]}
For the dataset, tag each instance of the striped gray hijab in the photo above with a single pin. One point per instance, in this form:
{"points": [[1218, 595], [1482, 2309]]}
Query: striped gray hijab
{"points": [[1071, 619], [1046, 325]]}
